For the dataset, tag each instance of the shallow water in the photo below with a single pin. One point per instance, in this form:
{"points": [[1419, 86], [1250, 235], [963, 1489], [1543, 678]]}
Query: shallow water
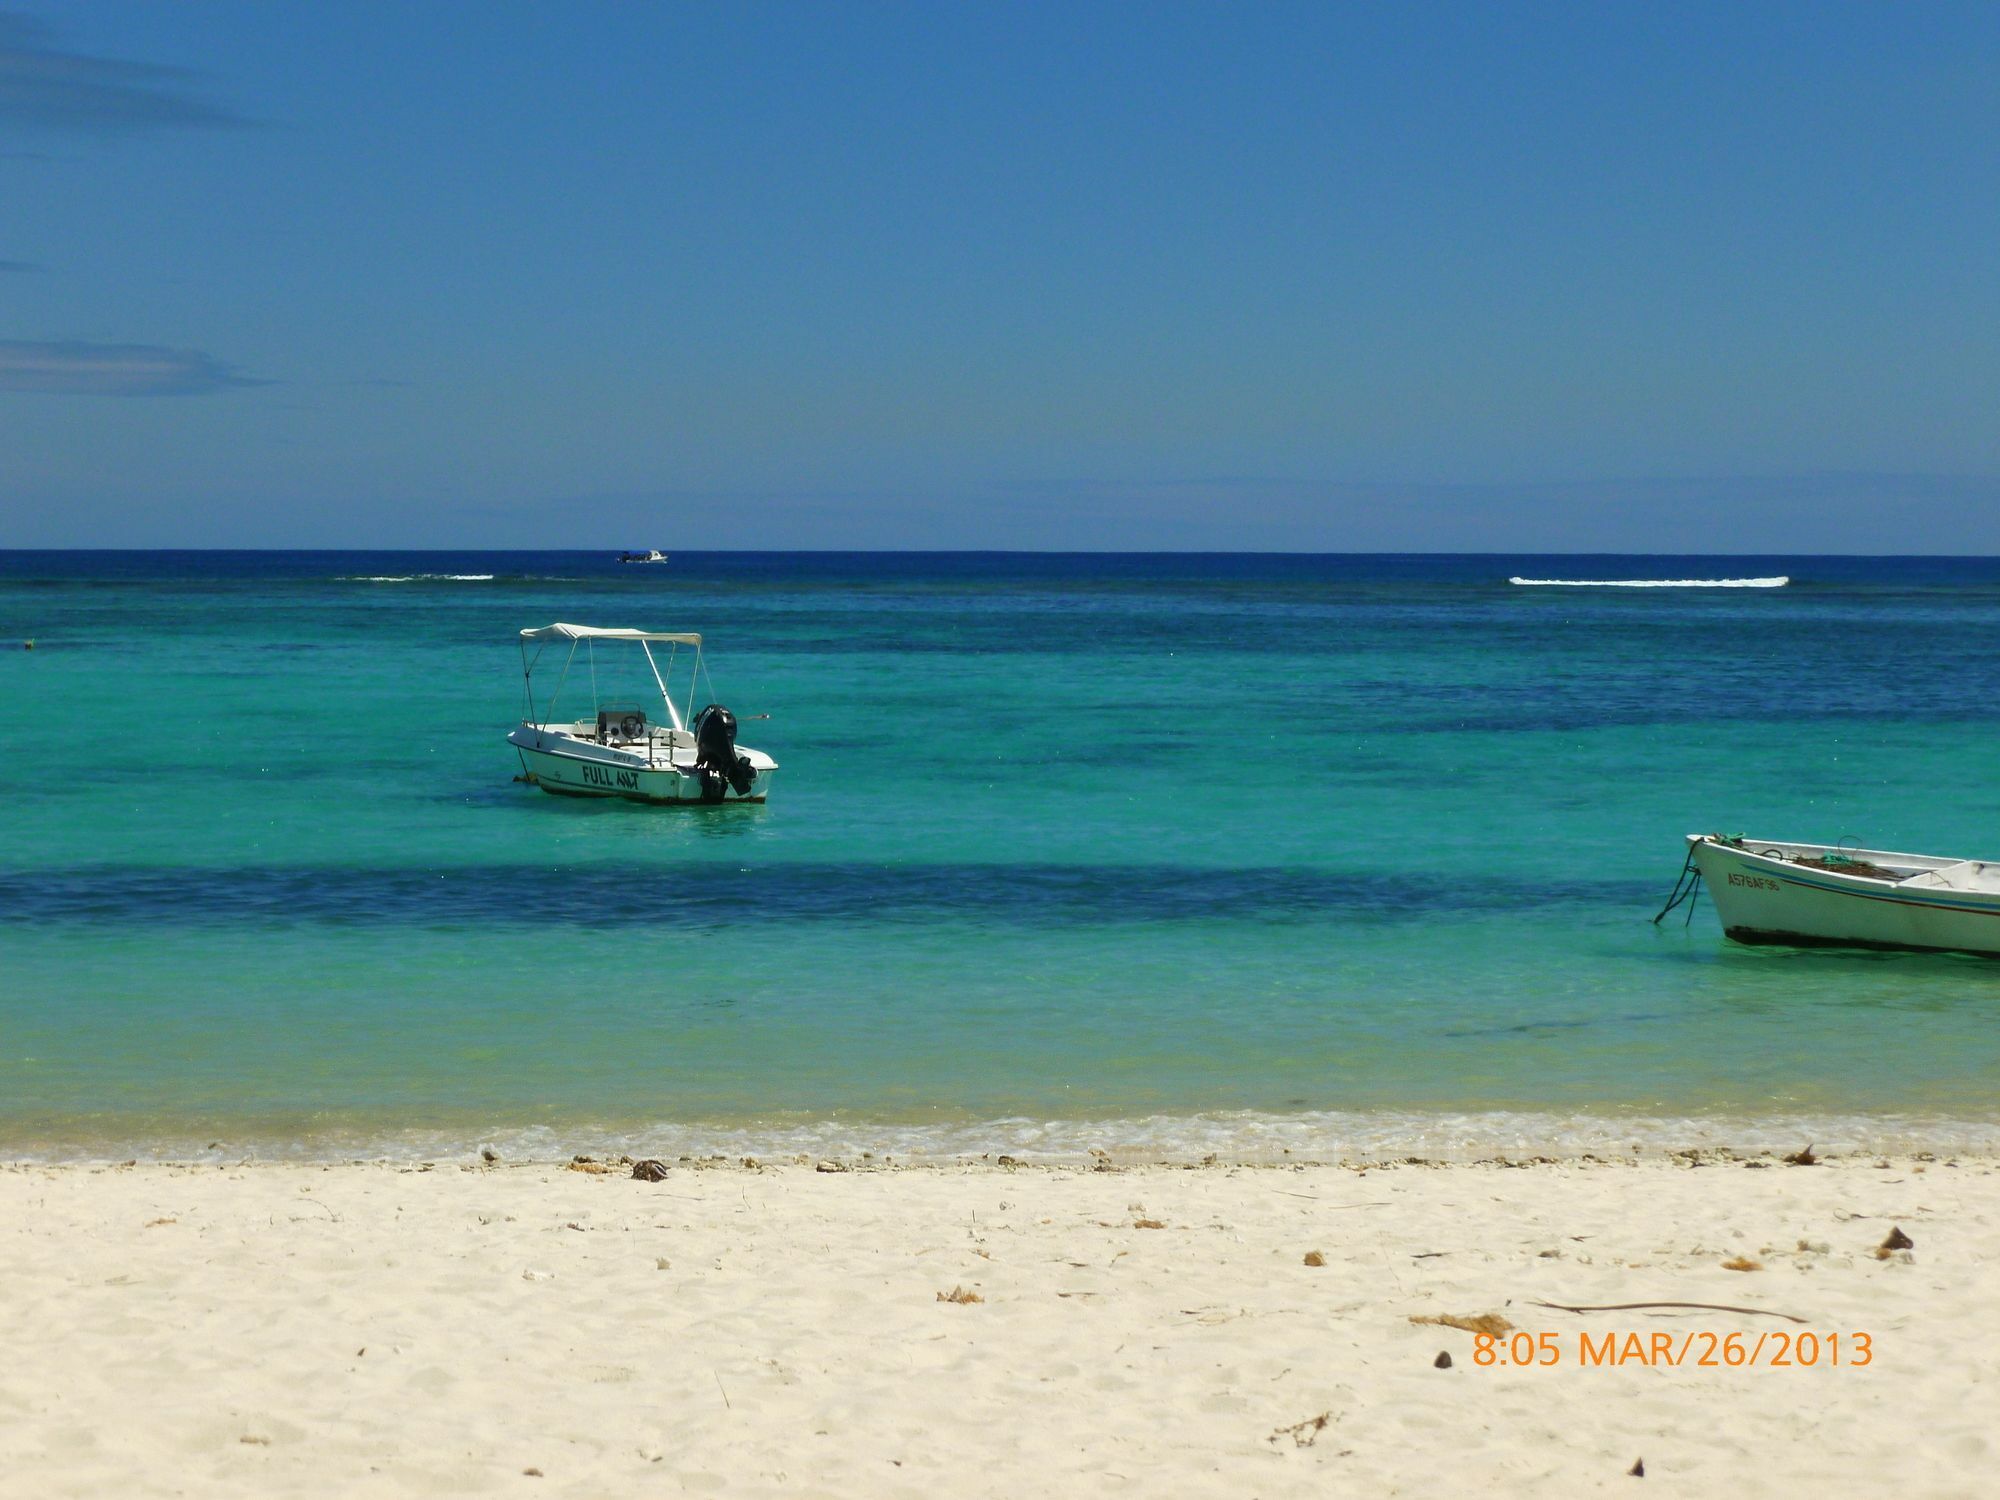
{"points": [[1316, 848]]}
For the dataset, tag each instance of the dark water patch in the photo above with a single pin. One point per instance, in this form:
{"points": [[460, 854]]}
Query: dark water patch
{"points": [[1541, 1028], [714, 895]]}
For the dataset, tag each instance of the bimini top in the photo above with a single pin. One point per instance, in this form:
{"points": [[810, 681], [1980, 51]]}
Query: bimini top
{"points": [[561, 632]]}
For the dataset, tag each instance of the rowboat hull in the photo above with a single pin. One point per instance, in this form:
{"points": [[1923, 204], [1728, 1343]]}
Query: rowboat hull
{"points": [[1765, 895]]}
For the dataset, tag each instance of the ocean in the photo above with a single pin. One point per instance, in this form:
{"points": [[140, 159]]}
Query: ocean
{"points": [[1159, 853]]}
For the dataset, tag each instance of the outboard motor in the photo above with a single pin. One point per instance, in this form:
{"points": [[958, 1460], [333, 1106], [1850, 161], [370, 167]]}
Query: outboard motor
{"points": [[715, 754]]}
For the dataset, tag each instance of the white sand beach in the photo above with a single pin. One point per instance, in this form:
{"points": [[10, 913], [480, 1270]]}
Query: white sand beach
{"points": [[373, 1329]]}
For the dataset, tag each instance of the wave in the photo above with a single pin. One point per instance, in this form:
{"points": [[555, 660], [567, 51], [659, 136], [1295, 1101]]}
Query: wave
{"points": [[704, 896], [1234, 1136], [1651, 583], [415, 578]]}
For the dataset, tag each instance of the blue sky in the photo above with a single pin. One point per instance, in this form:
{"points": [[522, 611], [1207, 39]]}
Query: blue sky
{"points": [[1314, 277]]}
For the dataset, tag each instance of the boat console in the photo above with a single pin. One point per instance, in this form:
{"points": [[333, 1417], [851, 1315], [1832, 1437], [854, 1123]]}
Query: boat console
{"points": [[620, 724]]}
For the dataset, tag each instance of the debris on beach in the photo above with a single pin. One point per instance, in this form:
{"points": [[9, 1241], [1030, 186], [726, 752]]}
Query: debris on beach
{"points": [[1742, 1263], [1638, 1469], [960, 1296], [830, 1165], [1148, 1224], [589, 1164], [1897, 1240], [1443, 1361], [1803, 1158], [488, 1155], [1490, 1323], [1303, 1434], [1757, 1312], [1315, 1258], [652, 1169]]}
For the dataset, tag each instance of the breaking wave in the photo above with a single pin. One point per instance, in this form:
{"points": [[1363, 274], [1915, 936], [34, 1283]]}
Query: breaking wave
{"points": [[1651, 583], [1245, 1136]]}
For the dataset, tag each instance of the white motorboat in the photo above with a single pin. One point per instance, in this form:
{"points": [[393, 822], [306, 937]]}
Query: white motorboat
{"points": [[622, 750], [1833, 895], [652, 556]]}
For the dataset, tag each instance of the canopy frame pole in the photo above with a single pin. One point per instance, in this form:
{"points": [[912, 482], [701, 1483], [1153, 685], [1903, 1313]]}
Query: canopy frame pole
{"points": [[699, 673], [673, 718], [562, 679]]}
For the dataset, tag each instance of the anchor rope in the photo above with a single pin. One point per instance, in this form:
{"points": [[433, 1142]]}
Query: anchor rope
{"points": [[1686, 889]]}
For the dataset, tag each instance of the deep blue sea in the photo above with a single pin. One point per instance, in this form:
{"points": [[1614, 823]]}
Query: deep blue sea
{"points": [[1172, 851]]}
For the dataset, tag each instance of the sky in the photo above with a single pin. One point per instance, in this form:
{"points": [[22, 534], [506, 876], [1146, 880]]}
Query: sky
{"points": [[1066, 276]]}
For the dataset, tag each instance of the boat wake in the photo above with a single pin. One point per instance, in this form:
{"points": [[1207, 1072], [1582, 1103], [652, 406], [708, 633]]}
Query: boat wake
{"points": [[1651, 583], [417, 578]]}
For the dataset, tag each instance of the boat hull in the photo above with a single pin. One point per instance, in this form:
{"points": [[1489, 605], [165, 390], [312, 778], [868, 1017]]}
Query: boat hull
{"points": [[629, 778], [1764, 897]]}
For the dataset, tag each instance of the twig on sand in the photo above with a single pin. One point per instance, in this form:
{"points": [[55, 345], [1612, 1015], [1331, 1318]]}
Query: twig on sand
{"points": [[1303, 1434], [1758, 1312], [723, 1388]]}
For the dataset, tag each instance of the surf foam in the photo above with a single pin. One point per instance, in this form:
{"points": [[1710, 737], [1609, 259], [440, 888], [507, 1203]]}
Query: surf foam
{"points": [[1231, 1136], [1651, 583]]}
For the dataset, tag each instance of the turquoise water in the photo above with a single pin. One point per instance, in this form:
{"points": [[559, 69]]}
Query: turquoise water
{"points": [[1209, 843]]}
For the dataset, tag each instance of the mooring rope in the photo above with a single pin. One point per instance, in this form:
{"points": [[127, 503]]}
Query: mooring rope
{"points": [[1686, 889]]}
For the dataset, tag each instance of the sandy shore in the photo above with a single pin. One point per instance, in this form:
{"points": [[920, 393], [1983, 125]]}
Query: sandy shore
{"points": [[383, 1330]]}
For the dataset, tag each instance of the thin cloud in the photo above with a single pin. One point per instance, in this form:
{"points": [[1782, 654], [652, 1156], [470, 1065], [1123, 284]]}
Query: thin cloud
{"points": [[44, 88], [71, 369]]}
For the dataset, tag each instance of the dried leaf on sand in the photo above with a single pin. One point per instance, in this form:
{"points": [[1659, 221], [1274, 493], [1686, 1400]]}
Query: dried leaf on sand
{"points": [[1491, 1323], [960, 1295]]}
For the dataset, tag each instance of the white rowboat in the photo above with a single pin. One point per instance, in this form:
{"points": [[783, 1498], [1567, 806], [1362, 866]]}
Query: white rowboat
{"points": [[1831, 895]]}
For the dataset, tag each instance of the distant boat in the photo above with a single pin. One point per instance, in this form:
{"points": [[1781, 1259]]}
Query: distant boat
{"points": [[617, 751], [642, 557], [1827, 895], [1650, 583]]}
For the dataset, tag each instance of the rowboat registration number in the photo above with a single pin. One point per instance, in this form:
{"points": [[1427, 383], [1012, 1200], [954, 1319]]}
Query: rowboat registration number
{"points": [[1754, 880]]}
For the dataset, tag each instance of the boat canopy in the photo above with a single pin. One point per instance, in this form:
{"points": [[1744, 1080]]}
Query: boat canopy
{"points": [[561, 632]]}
